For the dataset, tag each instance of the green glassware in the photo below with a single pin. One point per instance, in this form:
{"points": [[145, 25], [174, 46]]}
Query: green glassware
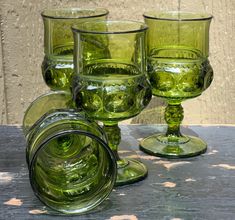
{"points": [[57, 67], [110, 83], [71, 168], [179, 69], [47, 102]]}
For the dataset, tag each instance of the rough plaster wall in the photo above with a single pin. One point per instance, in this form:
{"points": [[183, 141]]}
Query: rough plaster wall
{"points": [[217, 104], [2, 85], [21, 53]]}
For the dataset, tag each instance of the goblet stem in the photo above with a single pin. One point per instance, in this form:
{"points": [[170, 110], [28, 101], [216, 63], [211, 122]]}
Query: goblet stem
{"points": [[113, 133], [129, 170], [173, 144], [174, 115]]}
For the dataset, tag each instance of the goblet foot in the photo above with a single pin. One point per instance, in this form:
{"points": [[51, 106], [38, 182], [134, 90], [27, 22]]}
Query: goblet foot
{"points": [[130, 171], [181, 147]]}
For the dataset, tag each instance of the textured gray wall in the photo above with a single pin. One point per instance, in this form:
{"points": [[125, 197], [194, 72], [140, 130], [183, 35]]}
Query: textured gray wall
{"points": [[21, 54]]}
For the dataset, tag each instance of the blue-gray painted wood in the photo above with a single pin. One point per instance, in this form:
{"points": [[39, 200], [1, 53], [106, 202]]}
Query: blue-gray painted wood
{"points": [[205, 186]]}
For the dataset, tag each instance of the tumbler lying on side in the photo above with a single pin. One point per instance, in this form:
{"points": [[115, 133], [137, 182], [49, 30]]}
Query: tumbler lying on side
{"points": [[71, 167]]}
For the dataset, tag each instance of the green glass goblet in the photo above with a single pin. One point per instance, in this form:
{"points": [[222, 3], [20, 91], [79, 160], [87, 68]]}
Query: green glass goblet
{"points": [[110, 83], [179, 69], [71, 168], [57, 67]]}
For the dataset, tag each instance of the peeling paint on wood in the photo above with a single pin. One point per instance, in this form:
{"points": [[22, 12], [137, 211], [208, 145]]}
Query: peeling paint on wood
{"points": [[212, 152], [124, 217], [169, 184], [14, 202], [37, 212], [147, 199], [190, 180], [170, 165], [5, 177], [144, 157], [122, 194], [225, 166]]}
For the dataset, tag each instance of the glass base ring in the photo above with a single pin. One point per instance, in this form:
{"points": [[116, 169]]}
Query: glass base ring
{"points": [[192, 147], [130, 171]]}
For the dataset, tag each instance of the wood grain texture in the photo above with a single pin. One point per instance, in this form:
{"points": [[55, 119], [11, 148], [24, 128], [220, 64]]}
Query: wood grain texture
{"points": [[196, 188], [22, 46]]}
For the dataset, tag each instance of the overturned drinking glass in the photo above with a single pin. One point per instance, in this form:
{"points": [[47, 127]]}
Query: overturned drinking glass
{"points": [[71, 168]]}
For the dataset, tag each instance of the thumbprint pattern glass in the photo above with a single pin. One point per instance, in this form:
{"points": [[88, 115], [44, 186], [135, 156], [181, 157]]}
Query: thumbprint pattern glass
{"points": [[49, 101], [110, 84], [57, 67], [179, 69], [71, 168]]}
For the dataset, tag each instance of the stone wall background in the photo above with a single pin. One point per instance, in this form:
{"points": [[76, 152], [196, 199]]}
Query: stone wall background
{"points": [[21, 54]]}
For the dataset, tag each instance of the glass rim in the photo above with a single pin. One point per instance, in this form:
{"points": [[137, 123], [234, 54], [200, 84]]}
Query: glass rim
{"points": [[37, 100], [99, 12], [75, 131], [45, 116], [52, 112], [105, 147], [144, 27], [166, 16]]}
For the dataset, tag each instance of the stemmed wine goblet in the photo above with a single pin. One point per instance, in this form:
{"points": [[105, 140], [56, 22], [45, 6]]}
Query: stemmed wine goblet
{"points": [[179, 69], [57, 66], [111, 83]]}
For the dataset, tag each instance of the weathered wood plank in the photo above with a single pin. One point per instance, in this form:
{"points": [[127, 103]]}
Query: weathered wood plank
{"points": [[197, 188]]}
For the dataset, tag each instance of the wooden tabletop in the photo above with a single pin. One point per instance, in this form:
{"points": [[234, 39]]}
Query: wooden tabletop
{"points": [[197, 188]]}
